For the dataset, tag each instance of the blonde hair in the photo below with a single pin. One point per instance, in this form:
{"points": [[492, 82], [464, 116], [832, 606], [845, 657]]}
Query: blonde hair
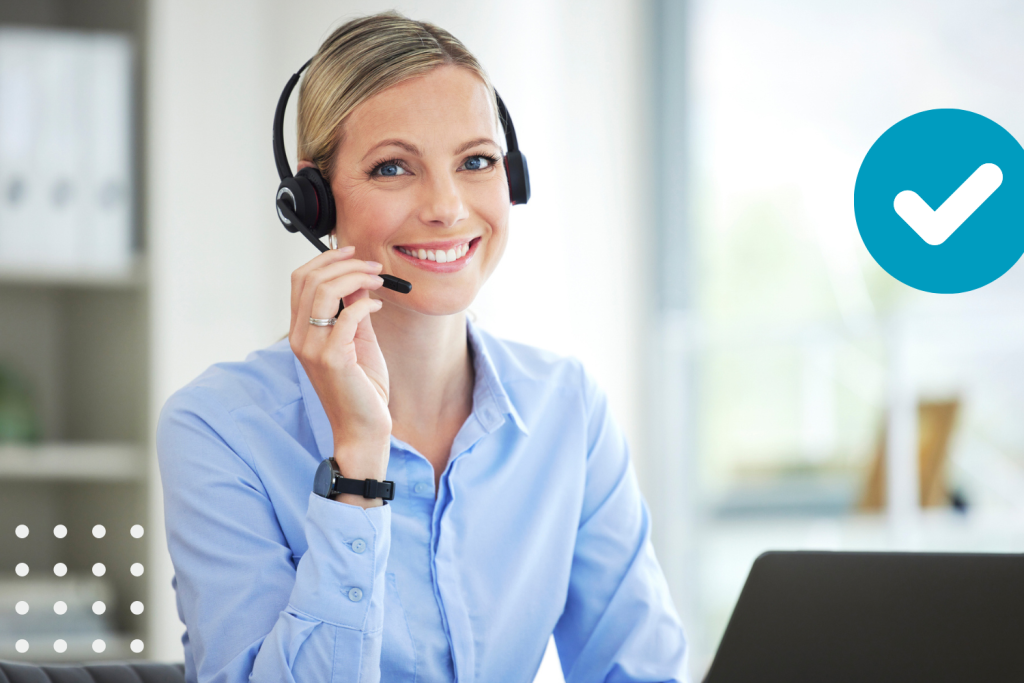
{"points": [[360, 59]]}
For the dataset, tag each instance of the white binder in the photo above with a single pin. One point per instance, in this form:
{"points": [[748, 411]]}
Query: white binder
{"points": [[107, 240], [65, 152]]}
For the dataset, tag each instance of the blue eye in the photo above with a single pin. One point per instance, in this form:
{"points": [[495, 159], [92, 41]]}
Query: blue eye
{"points": [[389, 169], [479, 162]]}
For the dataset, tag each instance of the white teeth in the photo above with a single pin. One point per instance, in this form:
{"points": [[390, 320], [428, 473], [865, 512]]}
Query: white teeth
{"points": [[439, 255]]}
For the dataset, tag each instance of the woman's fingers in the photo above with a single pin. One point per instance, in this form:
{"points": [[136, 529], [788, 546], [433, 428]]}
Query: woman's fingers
{"points": [[304, 290], [328, 294], [323, 303], [345, 328], [299, 274]]}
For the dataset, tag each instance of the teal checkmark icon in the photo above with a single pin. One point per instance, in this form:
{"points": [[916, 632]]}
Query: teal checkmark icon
{"points": [[939, 201]]}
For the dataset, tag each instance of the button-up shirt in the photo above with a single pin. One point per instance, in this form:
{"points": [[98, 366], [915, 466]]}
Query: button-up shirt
{"points": [[537, 527]]}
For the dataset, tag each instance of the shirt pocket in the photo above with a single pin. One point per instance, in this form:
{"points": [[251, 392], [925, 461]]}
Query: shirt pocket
{"points": [[397, 655]]}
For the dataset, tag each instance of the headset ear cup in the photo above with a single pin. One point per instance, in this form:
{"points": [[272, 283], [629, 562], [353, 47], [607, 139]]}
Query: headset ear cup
{"points": [[518, 177], [325, 219], [301, 194]]}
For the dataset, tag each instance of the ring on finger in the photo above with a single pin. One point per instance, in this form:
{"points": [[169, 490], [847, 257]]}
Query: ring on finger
{"points": [[323, 322]]}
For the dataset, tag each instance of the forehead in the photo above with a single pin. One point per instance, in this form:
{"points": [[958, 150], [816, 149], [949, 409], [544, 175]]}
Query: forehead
{"points": [[449, 104]]}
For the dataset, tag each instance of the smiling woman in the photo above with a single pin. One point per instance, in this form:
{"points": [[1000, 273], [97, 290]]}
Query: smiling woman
{"points": [[407, 499]]}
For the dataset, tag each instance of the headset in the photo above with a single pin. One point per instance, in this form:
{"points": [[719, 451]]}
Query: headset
{"points": [[304, 200]]}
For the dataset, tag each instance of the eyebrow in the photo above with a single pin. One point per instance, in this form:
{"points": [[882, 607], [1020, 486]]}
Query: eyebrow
{"points": [[413, 149]]}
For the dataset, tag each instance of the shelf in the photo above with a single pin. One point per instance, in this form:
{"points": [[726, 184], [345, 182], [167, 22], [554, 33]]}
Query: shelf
{"points": [[132, 277], [101, 462]]}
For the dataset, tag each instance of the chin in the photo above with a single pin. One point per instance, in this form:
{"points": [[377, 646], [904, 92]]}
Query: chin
{"points": [[441, 301]]}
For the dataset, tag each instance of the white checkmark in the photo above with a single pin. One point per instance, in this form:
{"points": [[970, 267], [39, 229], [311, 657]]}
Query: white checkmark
{"points": [[935, 227]]}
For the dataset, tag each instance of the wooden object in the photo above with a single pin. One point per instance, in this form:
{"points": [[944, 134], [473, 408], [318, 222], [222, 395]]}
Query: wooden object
{"points": [[935, 426]]}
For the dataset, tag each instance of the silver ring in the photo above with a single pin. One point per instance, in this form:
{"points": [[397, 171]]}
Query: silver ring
{"points": [[323, 322]]}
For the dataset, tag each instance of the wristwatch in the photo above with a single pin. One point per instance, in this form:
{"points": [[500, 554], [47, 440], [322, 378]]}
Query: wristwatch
{"points": [[328, 482]]}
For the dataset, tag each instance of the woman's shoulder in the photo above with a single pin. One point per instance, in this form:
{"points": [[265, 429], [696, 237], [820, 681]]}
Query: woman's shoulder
{"points": [[267, 379]]}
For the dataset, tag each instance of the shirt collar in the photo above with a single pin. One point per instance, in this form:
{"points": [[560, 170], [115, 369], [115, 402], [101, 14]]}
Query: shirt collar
{"points": [[491, 403]]}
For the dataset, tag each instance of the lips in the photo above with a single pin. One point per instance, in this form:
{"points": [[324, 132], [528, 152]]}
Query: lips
{"points": [[445, 256]]}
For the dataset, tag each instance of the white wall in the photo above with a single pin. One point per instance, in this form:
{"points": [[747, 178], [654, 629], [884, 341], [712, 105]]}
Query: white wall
{"points": [[572, 74]]}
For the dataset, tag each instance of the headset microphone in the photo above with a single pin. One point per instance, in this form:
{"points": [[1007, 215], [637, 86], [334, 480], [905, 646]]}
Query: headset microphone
{"points": [[305, 203]]}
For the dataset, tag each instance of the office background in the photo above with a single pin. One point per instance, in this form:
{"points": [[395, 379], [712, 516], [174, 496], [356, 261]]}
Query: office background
{"points": [[692, 164]]}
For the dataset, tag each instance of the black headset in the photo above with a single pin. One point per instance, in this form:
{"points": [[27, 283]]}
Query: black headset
{"points": [[304, 200]]}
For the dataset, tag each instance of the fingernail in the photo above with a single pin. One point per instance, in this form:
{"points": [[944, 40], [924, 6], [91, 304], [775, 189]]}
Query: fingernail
{"points": [[347, 250], [373, 264]]}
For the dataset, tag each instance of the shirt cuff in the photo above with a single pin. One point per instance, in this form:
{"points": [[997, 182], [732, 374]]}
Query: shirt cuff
{"points": [[340, 579]]}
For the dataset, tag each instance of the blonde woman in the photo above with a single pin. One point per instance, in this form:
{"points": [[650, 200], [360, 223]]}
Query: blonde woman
{"points": [[515, 510]]}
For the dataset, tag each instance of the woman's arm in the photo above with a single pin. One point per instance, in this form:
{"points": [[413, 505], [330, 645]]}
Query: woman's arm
{"points": [[619, 623], [251, 612]]}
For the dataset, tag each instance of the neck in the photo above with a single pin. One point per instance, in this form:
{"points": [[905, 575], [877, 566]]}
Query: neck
{"points": [[429, 367]]}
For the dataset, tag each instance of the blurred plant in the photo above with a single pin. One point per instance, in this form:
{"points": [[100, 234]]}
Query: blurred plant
{"points": [[18, 419]]}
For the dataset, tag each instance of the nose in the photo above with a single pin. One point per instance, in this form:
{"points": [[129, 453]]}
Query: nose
{"points": [[442, 202]]}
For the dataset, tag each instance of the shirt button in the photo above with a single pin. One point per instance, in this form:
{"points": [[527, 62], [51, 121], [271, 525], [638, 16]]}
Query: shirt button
{"points": [[421, 487], [358, 545], [355, 595]]}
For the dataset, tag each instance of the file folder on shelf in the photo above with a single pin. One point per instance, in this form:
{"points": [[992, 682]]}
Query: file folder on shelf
{"points": [[65, 152]]}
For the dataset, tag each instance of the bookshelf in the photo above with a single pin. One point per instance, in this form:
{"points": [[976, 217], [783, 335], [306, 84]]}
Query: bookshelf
{"points": [[80, 339]]}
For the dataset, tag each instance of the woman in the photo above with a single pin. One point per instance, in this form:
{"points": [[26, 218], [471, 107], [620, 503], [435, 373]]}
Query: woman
{"points": [[516, 513]]}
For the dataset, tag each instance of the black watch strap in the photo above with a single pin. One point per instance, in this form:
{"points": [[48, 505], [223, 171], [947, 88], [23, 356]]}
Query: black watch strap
{"points": [[367, 488], [328, 482]]}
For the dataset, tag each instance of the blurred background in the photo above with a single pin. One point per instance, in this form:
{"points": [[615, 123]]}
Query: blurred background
{"points": [[693, 164]]}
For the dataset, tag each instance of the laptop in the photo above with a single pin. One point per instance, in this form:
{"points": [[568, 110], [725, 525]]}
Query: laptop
{"points": [[833, 617]]}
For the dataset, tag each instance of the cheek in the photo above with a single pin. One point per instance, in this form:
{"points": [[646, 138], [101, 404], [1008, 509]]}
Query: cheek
{"points": [[369, 218]]}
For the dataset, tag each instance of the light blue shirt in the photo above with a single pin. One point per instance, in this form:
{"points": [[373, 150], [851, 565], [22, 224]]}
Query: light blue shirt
{"points": [[538, 527]]}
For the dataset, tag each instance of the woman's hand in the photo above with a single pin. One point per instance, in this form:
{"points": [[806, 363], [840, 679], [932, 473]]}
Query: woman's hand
{"points": [[344, 362]]}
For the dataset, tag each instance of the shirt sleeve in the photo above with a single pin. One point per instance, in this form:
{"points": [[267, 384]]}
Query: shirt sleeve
{"points": [[251, 611], [619, 622]]}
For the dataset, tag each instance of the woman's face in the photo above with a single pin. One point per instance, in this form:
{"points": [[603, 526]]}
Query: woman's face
{"points": [[419, 174]]}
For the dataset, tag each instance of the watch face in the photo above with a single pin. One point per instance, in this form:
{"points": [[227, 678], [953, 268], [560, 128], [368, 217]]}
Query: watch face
{"points": [[322, 480]]}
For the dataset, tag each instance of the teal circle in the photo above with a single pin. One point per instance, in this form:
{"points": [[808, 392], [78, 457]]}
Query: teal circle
{"points": [[932, 153]]}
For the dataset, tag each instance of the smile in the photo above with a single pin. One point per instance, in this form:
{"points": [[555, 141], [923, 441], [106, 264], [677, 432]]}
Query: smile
{"points": [[439, 255], [443, 257]]}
